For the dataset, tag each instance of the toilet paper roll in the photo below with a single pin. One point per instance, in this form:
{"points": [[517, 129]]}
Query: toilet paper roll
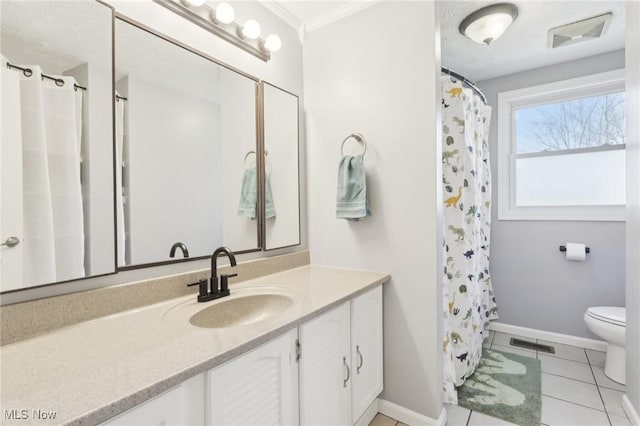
{"points": [[577, 252]]}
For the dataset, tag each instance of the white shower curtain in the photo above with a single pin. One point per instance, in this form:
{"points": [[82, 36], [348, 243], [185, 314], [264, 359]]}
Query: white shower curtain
{"points": [[469, 303], [53, 233]]}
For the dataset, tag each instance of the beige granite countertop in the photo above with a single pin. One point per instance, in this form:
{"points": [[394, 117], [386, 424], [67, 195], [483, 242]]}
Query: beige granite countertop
{"points": [[92, 371]]}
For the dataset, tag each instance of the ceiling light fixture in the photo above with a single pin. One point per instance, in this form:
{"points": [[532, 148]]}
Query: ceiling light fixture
{"points": [[486, 25], [220, 21]]}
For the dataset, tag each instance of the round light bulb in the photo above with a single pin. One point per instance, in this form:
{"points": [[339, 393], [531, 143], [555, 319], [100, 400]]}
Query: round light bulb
{"points": [[273, 43], [225, 13], [251, 29], [194, 2]]}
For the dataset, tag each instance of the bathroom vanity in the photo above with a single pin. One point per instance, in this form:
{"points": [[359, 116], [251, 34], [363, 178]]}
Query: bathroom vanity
{"points": [[304, 347]]}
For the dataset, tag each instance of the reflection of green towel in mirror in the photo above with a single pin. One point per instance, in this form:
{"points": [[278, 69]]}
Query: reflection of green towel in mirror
{"points": [[249, 196], [351, 199], [269, 208]]}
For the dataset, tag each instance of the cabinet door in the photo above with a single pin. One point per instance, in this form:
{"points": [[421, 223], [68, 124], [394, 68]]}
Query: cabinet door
{"points": [[183, 405], [325, 376], [257, 388], [366, 350]]}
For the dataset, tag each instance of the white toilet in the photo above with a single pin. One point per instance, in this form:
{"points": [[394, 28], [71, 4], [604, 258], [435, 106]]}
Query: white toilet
{"points": [[609, 323]]}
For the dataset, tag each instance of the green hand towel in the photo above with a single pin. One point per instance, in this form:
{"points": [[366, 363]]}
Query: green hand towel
{"points": [[248, 194], [351, 200], [270, 209]]}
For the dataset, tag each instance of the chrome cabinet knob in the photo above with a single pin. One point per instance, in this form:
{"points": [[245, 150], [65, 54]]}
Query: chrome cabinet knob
{"points": [[11, 242]]}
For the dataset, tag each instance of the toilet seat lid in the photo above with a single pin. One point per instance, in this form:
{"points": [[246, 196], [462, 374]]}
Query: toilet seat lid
{"points": [[610, 314]]}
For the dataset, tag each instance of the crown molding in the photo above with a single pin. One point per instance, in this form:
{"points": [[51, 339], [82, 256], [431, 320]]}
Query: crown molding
{"points": [[283, 13], [280, 10], [338, 13]]}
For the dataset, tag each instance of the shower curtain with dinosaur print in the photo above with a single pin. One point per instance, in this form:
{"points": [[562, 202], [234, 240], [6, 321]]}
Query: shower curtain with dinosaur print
{"points": [[469, 303]]}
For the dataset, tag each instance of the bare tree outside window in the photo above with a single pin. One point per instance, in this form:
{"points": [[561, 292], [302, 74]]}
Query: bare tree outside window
{"points": [[579, 123]]}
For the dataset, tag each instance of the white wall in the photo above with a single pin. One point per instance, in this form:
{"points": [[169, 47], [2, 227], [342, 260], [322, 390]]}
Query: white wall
{"points": [[173, 138], [633, 204], [534, 285], [375, 72]]}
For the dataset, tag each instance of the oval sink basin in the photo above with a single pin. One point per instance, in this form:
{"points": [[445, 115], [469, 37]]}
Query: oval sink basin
{"points": [[243, 310]]}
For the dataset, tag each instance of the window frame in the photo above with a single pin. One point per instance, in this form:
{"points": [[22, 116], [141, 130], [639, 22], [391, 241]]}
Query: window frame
{"points": [[565, 90]]}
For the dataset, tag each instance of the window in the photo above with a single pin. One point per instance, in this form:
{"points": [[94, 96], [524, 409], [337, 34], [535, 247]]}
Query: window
{"points": [[561, 150]]}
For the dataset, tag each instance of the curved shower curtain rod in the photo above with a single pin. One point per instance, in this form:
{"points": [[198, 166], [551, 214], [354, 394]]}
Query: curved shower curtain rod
{"points": [[28, 72], [466, 82]]}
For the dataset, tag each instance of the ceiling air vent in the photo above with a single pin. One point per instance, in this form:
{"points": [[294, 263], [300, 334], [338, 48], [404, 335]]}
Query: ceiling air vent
{"points": [[584, 30]]}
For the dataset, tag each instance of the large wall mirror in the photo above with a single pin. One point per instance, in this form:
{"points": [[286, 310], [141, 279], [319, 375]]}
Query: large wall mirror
{"points": [[282, 187], [186, 134], [56, 171]]}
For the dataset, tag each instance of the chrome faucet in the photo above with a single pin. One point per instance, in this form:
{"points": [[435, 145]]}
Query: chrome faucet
{"points": [[182, 247], [204, 294]]}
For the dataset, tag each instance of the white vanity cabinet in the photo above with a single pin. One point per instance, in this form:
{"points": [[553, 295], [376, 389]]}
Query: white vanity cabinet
{"points": [[341, 361], [325, 364], [366, 350], [257, 388], [182, 405]]}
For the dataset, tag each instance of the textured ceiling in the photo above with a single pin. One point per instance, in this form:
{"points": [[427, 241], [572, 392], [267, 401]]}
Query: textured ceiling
{"points": [[57, 35], [60, 35], [524, 45]]}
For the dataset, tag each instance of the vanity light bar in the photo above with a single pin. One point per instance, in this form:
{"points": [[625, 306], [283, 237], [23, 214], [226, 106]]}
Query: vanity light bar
{"points": [[205, 17]]}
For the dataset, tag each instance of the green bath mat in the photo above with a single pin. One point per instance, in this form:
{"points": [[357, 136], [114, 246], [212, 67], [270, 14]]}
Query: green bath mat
{"points": [[506, 386]]}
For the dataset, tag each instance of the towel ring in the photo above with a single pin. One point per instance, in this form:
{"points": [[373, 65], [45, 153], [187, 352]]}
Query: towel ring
{"points": [[252, 152], [359, 138]]}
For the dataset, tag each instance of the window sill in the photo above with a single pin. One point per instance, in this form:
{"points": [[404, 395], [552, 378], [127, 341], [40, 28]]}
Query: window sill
{"points": [[572, 213]]}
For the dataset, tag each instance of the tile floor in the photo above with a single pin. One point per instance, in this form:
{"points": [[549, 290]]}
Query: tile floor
{"points": [[575, 390], [382, 420]]}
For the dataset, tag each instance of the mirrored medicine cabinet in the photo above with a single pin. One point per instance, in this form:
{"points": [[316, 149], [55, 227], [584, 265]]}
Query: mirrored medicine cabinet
{"points": [[183, 126], [282, 189], [160, 150], [56, 190]]}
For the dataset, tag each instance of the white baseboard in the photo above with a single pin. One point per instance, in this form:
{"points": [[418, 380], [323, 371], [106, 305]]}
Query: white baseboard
{"points": [[368, 414], [634, 418], [566, 339], [409, 417]]}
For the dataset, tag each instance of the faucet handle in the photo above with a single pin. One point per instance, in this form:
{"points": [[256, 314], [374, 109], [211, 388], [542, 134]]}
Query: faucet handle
{"points": [[224, 282], [202, 288]]}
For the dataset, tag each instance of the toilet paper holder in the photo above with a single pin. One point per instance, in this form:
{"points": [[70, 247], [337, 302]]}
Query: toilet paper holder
{"points": [[586, 249]]}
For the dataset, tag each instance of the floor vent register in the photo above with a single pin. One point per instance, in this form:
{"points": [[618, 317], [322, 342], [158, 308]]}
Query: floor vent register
{"points": [[532, 345]]}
